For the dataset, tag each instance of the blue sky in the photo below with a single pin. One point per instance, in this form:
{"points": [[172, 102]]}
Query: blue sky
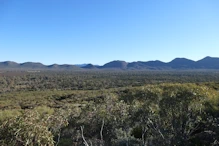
{"points": [[99, 31]]}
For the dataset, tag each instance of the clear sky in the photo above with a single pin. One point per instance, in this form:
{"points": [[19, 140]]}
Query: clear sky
{"points": [[99, 31]]}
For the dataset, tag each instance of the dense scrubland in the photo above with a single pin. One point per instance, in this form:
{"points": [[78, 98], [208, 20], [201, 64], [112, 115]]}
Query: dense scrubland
{"points": [[109, 108]]}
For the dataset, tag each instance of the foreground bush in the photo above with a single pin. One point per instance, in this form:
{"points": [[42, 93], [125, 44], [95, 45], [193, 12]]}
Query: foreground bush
{"points": [[30, 129], [154, 115]]}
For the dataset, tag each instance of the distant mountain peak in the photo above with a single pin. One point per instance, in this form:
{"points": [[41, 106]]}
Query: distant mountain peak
{"points": [[209, 58], [89, 66], [119, 64], [10, 62], [181, 59]]}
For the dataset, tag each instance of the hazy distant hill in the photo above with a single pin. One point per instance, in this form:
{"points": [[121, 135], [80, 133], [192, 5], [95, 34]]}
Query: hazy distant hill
{"points": [[150, 65], [90, 66], [35, 66], [8, 64], [182, 63], [175, 64], [81, 65], [208, 62], [32, 65], [62, 67], [115, 65]]}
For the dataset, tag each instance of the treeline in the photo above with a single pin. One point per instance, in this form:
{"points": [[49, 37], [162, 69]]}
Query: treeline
{"points": [[161, 114], [93, 80]]}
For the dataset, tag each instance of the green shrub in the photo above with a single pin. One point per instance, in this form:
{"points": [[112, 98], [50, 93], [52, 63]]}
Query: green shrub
{"points": [[30, 129], [5, 114]]}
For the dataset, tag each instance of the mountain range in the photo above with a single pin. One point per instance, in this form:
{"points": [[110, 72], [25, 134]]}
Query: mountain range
{"points": [[175, 64]]}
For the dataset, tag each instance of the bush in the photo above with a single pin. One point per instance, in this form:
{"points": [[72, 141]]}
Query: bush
{"points": [[30, 129]]}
